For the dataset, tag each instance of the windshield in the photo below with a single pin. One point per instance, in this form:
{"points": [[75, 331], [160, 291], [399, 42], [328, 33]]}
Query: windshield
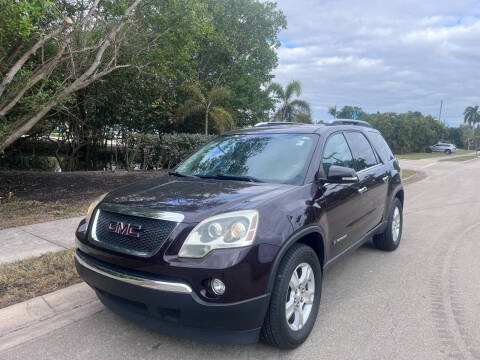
{"points": [[278, 158]]}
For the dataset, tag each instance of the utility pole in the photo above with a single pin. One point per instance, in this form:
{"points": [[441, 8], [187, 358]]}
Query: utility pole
{"points": [[440, 113]]}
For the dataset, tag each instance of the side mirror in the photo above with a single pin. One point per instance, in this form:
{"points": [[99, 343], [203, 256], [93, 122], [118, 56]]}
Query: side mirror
{"points": [[341, 175]]}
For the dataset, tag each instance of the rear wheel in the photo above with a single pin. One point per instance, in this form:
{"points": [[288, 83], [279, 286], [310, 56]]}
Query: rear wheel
{"points": [[295, 299], [390, 238]]}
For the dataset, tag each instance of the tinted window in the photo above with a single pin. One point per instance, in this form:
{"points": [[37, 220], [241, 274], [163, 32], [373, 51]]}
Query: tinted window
{"points": [[381, 146], [361, 149], [336, 152], [281, 158]]}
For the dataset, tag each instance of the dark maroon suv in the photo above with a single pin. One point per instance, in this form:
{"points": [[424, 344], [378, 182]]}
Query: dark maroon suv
{"points": [[231, 245]]}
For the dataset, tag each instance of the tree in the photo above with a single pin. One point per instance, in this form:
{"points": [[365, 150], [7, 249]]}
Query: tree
{"points": [[471, 115], [407, 132], [96, 69], [241, 52], [346, 112], [302, 117], [161, 46], [104, 37], [290, 110], [333, 111], [207, 104]]}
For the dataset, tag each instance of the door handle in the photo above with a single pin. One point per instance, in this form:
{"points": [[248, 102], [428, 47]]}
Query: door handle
{"points": [[385, 178], [362, 190]]}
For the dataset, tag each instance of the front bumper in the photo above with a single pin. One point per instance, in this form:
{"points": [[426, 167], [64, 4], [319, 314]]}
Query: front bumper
{"points": [[172, 307]]}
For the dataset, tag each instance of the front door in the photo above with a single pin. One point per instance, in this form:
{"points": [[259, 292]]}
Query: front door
{"points": [[341, 202], [373, 181]]}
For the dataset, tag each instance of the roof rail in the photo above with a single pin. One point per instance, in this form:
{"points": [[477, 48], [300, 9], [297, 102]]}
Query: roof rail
{"points": [[350, 122], [277, 123]]}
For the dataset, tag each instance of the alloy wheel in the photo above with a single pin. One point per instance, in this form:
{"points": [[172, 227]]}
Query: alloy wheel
{"points": [[300, 296], [396, 224]]}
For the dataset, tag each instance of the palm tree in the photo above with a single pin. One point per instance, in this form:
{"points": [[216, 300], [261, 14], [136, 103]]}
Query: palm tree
{"points": [[207, 104], [333, 111], [291, 110], [471, 115]]}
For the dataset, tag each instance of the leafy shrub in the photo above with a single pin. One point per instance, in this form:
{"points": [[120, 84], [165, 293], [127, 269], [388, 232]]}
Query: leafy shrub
{"points": [[408, 132], [29, 162], [160, 151], [151, 151], [173, 148]]}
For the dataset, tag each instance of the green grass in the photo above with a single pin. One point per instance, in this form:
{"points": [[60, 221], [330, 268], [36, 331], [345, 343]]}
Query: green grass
{"points": [[26, 279], [424, 155], [407, 173], [462, 158]]}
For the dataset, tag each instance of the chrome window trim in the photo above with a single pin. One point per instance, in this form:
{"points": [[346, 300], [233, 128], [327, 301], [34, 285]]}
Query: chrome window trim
{"points": [[369, 168], [175, 287], [142, 212]]}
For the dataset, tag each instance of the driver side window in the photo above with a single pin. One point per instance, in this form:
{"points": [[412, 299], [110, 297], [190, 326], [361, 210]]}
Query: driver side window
{"points": [[337, 153]]}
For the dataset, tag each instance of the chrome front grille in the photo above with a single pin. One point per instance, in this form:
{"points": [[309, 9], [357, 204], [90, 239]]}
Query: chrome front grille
{"points": [[152, 233]]}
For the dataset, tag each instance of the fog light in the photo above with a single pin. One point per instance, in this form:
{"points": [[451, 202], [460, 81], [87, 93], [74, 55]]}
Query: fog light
{"points": [[218, 287]]}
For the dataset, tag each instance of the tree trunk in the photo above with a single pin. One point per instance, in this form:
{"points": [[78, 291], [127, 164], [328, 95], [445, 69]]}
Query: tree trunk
{"points": [[207, 110], [206, 122]]}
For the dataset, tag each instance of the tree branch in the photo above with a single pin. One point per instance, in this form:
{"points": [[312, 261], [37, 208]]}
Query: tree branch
{"points": [[38, 75], [20, 62], [25, 123]]}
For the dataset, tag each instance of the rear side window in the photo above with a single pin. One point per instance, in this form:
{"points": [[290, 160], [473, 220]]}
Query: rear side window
{"points": [[362, 151], [381, 146], [337, 153]]}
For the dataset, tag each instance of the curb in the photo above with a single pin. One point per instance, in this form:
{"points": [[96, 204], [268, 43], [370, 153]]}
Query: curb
{"points": [[419, 175], [38, 316]]}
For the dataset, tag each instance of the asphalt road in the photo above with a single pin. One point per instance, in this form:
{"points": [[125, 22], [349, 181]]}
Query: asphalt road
{"points": [[419, 302]]}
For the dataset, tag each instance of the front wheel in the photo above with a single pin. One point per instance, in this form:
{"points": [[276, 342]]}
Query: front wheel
{"points": [[295, 299], [390, 238], [448, 151]]}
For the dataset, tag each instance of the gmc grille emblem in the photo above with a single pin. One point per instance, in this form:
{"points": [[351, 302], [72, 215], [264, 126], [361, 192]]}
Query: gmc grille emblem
{"points": [[124, 228]]}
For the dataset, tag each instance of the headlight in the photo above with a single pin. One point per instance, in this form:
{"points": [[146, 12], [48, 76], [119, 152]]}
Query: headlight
{"points": [[230, 230], [92, 207]]}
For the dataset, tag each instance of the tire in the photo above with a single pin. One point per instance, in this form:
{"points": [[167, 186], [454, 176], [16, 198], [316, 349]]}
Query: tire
{"points": [[387, 240], [448, 151], [277, 330]]}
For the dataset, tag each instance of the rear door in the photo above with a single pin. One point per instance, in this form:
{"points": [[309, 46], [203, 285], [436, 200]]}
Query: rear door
{"points": [[373, 185]]}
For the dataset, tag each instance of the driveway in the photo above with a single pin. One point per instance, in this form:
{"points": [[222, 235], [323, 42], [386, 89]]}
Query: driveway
{"points": [[419, 302]]}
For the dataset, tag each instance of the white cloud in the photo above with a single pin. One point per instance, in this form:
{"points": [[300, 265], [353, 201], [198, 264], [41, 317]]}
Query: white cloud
{"points": [[435, 35], [383, 55]]}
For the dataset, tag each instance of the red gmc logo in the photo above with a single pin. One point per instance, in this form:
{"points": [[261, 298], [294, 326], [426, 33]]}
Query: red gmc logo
{"points": [[124, 229]]}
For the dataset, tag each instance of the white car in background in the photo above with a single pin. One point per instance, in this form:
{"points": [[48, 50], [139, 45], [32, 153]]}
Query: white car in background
{"points": [[442, 147]]}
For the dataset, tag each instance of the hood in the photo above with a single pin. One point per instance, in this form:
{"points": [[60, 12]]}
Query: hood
{"points": [[196, 199]]}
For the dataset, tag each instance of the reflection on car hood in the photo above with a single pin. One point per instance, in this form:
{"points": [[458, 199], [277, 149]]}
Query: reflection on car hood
{"points": [[196, 199]]}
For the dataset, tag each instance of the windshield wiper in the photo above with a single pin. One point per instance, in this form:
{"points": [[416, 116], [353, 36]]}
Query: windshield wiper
{"points": [[231, 177], [174, 173]]}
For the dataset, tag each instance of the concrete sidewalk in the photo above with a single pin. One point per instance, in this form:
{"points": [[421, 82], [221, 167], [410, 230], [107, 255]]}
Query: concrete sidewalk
{"points": [[33, 240]]}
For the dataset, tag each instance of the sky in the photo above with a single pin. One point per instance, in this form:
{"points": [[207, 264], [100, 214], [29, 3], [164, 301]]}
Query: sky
{"points": [[383, 55]]}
